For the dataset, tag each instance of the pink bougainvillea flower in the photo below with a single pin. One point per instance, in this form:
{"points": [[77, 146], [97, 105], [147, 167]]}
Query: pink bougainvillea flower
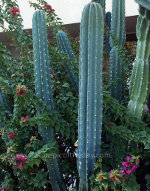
{"points": [[133, 168], [49, 8], [15, 11], [23, 118], [24, 74], [12, 135], [21, 90], [128, 158], [5, 188], [107, 28], [75, 39], [110, 123], [19, 160], [21, 165], [125, 164]]}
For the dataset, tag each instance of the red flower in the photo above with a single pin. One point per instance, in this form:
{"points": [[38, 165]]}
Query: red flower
{"points": [[12, 135], [49, 8], [15, 11], [21, 90], [24, 74], [19, 160], [110, 123], [23, 118]]}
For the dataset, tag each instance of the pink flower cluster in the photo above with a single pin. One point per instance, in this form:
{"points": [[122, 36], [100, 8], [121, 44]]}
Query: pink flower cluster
{"points": [[23, 118], [19, 160], [49, 8], [21, 90], [15, 11], [130, 165], [5, 188], [12, 135]]}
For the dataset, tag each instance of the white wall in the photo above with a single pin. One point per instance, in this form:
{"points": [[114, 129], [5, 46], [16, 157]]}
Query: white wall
{"points": [[69, 11]]}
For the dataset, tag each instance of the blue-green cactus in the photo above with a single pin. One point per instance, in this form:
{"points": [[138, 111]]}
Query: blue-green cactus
{"points": [[43, 89], [115, 63], [102, 3], [144, 3], [139, 82], [90, 91], [108, 24], [64, 45]]}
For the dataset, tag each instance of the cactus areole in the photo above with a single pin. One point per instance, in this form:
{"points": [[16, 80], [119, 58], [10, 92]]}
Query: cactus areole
{"points": [[90, 91]]}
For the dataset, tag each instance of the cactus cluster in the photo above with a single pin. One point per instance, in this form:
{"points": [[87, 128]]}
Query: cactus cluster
{"points": [[139, 82], [64, 45], [90, 91], [43, 89], [118, 31]]}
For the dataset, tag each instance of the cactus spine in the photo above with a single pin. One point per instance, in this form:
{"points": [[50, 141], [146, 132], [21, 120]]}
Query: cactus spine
{"points": [[108, 24], [64, 45], [43, 89], [140, 74], [118, 32], [90, 91]]}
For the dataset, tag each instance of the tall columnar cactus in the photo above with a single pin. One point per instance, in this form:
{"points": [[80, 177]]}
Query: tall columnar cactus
{"points": [[118, 32], [102, 3], [108, 25], [144, 3], [139, 82], [90, 91], [43, 89], [64, 45]]}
